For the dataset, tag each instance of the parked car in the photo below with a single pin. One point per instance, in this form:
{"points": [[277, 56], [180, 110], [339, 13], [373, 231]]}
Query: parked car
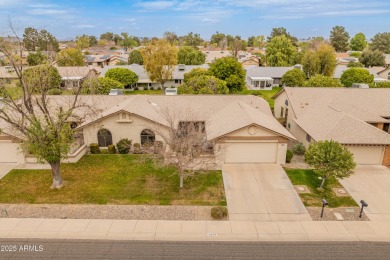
{"points": [[115, 92]]}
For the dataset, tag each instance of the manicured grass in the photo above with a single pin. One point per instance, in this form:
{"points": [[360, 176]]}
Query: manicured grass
{"points": [[266, 94], [144, 92], [314, 199], [113, 179]]}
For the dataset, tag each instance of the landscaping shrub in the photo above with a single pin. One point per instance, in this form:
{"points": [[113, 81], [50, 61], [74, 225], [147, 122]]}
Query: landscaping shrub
{"points": [[289, 156], [111, 149], [123, 146], [219, 212], [299, 149], [137, 148], [104, 151], [158, 146], [54, 91], [385, 84], [94, 148]]}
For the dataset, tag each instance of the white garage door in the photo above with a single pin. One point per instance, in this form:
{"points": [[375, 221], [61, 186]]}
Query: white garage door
{"points": [[251, 152], [8, 152], [367, 154]]}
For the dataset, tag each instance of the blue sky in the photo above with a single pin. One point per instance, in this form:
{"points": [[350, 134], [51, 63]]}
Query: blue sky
{"points": [[302, 18]]}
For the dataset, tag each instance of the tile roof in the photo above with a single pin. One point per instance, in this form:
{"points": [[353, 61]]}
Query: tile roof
{"points": [[74, 72], [339, 70], [341, 114], [273, 72]]}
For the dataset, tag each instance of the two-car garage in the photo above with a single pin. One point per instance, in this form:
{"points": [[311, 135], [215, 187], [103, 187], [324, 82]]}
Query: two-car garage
{"points": [[8, 152], [366, 154], [245, 152]]}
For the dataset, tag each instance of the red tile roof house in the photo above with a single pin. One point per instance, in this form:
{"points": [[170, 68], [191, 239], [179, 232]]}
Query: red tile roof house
{"points": [[356, 118]]}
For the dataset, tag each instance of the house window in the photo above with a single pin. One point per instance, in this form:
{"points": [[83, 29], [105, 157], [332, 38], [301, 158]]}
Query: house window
{"points": [[286, 102], [150, 84], [388, 76], [147, 137], [308, 138], [104, 138], [288, 126], [281, 112], [177, 81], [192, 127]]}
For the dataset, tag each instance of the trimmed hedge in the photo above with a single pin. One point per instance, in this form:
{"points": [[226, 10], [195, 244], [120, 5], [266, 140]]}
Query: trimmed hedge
{"points": [[123, 146], [111, 149], [137, 148], [289, 156], [219, 212], [94, 148]]}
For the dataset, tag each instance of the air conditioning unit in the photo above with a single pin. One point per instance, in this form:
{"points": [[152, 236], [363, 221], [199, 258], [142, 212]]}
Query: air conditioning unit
{"points": [[360, 85], [171, 91], [181, 66]]}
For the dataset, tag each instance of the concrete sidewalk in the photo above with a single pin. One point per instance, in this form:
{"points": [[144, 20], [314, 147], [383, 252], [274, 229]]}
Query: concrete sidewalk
{"points": [[194, 230]]}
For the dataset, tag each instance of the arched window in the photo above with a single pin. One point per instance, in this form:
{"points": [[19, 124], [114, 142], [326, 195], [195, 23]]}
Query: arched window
{"points": [[104, 138], [388, 76], [147, 136]]}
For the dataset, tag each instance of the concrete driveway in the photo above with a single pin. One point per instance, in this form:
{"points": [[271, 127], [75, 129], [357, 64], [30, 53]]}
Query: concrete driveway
{"points": [[261, 192], [6, 168], [372, 184]]}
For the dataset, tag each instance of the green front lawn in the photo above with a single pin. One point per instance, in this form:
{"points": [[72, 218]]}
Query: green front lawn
{"points": [[144, 92], [113, 179], [314, 199]]}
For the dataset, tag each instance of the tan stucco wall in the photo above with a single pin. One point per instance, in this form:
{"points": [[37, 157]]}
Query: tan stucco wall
{"points": [[386, 156], [10, 148], [243, 135], [298, 133], [121, 125]]}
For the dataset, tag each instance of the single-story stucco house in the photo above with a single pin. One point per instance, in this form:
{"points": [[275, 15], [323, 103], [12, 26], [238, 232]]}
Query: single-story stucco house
{"points": [[356, 118], [72, 77], [265, 78], [239, 129], [144, 80], [340, 69]]}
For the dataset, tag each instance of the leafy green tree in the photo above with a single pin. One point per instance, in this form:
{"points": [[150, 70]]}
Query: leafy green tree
{"points": [[280, 52], [191, 39], [92, 40], [294, 78], [39, 40], [41, 78], [160, 59], [355, 64], [356, 75], [339, 38], [135, 57], [70, 57], [381, 42], [356, 54], [371, 58], [256, 41], [36, 58], [217, 38], [82, 42], [127, 41], [171, 37], [204, 85], [320, 60], [322, 81], [358, 42], [100, 86], [230, 70], [122, 75], [282, 31], [194, 73], [108, 36], [190, 56], [330, 159]]}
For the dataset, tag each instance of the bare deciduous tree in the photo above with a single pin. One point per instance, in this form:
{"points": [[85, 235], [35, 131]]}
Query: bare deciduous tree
{"points": [[186, 145]]}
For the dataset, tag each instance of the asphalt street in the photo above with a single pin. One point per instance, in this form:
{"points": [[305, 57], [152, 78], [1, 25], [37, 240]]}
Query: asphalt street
{"points": [[103, 249]]}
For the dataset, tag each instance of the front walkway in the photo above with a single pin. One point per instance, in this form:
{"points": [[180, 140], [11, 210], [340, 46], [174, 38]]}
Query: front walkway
{"points": [[261, 192], [371, 183], [6, 168], [194, 230]]}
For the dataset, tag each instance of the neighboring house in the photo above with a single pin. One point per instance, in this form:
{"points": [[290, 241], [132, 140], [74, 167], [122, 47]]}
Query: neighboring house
{"points": [[213, 55], [102, 60], [7, 73], [382, 72], [144, 80], [265, 78], [339, 70], [238, 128], [356, 118], [72, 77], [343, 58], [250, 61]]}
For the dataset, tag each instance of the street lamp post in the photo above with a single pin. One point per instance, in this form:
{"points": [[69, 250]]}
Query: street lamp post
{"points": [[324, 203], [364, 204]]}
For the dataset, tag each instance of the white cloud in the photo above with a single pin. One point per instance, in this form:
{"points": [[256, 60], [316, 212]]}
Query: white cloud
{"points": [[42, 11], [85, 26], [156, 5], [210, 20]]}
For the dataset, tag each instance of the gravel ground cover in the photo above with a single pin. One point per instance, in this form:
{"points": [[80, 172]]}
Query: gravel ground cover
{"points": [[136, 212]]}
